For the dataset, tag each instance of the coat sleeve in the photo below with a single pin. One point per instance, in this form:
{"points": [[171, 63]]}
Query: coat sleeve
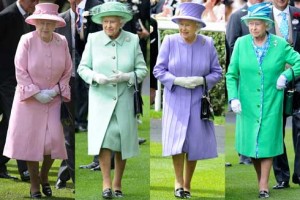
{"points": [[26, 87], [85, 67], [161, 71], [292, 57], [140, 67], [232, 76], [215, 69], [65, 78]]}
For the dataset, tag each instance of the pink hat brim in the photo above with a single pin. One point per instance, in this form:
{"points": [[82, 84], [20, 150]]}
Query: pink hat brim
{"points": [[176, 18], [32, 19]]}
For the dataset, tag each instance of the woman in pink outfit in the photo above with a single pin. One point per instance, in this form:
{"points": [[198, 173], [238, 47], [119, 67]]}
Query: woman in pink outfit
{"points": [[35, 132]]}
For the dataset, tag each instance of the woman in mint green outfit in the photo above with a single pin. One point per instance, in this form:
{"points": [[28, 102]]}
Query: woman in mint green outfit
{"points": [[255, 81], [110, 59]]}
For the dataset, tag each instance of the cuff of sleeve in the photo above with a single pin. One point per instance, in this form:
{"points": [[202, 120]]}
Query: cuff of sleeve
{"points": [[27, 91], [131, 79]]}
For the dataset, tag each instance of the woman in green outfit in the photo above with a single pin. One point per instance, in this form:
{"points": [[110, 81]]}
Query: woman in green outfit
{"points": [[110, 60], [255, 81]]}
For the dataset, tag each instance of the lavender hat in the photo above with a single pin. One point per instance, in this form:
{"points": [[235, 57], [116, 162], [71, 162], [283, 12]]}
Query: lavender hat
{"points": [[190, 11]]}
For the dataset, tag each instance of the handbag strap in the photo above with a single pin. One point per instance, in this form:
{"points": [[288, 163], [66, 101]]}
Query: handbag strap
{"points": [[205, 90], [59, 92], [136, 88], [293, 79]]}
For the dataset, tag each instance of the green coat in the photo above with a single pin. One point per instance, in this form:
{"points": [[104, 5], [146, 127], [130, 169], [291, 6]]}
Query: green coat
{"points": [[259, 126], [103, 55]]}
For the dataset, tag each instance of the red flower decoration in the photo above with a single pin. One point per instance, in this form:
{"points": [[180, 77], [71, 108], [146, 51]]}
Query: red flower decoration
{"points": [[296, 15]]}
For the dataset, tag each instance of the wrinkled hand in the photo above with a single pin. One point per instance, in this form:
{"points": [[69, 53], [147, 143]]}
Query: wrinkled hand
{"points": [[281, 82], [100, 79], [236, 106], [51, 93], [43, 97], [119, 77]]}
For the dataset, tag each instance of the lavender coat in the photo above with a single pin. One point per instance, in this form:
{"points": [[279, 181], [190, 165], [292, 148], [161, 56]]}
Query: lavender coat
{"points": [[182, 129]]}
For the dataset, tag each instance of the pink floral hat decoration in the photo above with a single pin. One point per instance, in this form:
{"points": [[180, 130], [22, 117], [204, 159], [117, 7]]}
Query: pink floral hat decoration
{"points": [[190, 11], [47, 11]]}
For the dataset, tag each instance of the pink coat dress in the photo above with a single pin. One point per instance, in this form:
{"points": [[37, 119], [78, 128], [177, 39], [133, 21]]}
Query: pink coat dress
{"points": [[34, 128]]}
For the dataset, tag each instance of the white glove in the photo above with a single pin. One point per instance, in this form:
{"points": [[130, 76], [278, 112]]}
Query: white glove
{"points": [[51, 93], [196, 80], [281, 82], [119, 77], [236, 106], [184, 82], [100, 79], [43, 97]]}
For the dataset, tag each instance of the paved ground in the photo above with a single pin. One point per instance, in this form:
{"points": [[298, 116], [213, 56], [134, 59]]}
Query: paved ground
{"points": [[155, 134]]}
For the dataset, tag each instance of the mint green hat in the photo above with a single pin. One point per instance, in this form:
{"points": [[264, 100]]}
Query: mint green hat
{"points": [[110, 9]]}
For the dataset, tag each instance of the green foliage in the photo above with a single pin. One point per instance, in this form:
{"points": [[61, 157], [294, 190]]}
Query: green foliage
{"points": [[217, 94]]}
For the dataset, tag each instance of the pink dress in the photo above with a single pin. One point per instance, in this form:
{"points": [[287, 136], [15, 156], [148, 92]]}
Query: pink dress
{"points": [[34, 128]]}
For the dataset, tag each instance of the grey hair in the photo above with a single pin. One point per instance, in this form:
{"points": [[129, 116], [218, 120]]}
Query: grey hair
{"points": [[199, 26]]}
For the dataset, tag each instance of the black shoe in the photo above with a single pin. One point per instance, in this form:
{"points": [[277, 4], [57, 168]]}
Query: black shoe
{"points": [[187, 194], [89, 166], [263, 194], [118, 194], [6, 175], [107, 194], [36, 195], [60, 184], [281, 185], [97, 168], [228, 164], [179, 193], [46, 189], [25, 176], [142, 141], [296, 179]]}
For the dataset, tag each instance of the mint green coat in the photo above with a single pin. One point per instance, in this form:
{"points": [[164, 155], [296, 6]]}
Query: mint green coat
{"points": [[259, 126], [103, 55]]}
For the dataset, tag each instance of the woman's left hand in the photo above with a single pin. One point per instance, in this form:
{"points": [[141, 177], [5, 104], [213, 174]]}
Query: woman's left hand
{"points": [[119, 77]]}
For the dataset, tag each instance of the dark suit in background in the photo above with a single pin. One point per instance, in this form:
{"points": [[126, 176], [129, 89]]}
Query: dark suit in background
{"points": [[12, 26], [280, 163], [67, 168]]}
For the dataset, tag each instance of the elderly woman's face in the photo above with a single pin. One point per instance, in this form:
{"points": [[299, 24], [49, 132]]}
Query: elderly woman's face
{"points": [[187, 29], [111, 26], [45, 29], [257, 28]]}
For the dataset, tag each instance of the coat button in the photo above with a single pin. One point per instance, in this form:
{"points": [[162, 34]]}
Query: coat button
{"points": [[259, 73], [258, 106], [258, 90], [114, 57], [257, 121], [114, 85], [114, 98], [113, 44]]}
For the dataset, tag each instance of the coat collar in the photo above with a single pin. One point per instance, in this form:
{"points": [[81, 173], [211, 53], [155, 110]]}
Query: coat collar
{"points": [[120, 40]]}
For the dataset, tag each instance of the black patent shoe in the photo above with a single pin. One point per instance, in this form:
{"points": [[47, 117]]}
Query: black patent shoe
{"points": [[46, 189], [36, 195], [179, 193], [107, 194], [187, 194], [118, 194], [263, 194]]}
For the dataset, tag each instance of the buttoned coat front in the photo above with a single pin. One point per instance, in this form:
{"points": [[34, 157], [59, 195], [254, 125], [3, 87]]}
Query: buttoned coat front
{"points": [[103, 55], [259, 126], [182, 128], [33, 125]]}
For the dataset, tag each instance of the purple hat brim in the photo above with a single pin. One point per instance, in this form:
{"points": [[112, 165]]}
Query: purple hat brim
{"points": [[175, 19]]}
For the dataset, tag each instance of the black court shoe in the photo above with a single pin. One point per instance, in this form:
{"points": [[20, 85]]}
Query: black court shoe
{"points": [[36, 195], [187, 194], [107, 194], [46, 189], [118, 194], [263, 194], [179, 193]]}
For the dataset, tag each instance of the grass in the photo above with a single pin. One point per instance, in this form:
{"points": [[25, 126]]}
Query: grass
{"points": [[136, 179], [208, 180], [241, 181], [14, 190]]}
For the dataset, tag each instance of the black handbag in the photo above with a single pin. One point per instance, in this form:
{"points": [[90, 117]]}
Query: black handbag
{"points": [[289, 97], [66, 116], [206, 112], [138, 101]]}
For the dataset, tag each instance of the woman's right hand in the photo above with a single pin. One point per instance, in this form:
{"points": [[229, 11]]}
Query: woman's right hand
{"points": [[236, 106], [43, 97], [100, 79]]}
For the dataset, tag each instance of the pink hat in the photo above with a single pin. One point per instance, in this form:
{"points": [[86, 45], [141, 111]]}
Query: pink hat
{"points": [[191, 11], [47, 11]]}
